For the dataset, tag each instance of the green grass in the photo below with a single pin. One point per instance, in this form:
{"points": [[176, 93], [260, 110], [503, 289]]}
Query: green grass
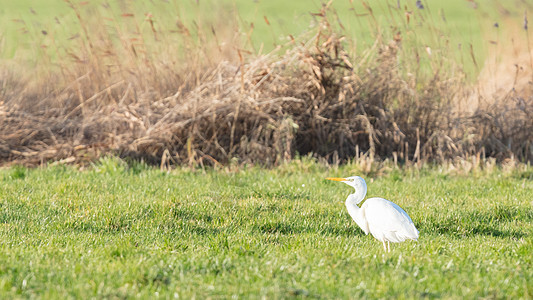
{"points": [[119, 231], [48, 31], [452, 22]]}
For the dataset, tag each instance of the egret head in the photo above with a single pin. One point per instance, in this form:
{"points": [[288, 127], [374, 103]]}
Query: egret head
{"points": [[356, 182]]}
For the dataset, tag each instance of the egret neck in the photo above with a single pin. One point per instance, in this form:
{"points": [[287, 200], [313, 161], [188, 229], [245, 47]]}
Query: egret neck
{"points": [[357, 213]]}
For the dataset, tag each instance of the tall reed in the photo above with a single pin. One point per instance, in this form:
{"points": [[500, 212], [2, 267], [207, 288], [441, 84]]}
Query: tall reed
{"points": [[199, 93]]}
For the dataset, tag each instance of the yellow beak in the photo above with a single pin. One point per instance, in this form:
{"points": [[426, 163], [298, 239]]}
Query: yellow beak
{"points": [[336, 179]]}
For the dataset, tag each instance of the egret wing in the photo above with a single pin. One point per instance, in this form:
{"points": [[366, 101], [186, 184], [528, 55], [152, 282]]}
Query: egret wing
{"points": [[388, 222]]}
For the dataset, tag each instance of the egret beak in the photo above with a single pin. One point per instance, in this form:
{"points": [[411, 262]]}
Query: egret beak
{"points": [[336, 179]]}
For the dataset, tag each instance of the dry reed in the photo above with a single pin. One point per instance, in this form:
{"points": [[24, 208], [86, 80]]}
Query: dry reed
{"points": [[117, 93]]}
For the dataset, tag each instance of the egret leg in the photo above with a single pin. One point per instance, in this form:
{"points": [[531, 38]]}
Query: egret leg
{"points": [[388, 246], [384, 246]]}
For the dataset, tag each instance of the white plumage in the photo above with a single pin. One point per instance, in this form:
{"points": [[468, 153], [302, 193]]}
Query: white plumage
{"points": [[385, 220]]}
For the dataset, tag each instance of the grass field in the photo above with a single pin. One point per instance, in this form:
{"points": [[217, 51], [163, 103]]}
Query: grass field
{"points": [[119, 231], [269, 23], [283, 18]]}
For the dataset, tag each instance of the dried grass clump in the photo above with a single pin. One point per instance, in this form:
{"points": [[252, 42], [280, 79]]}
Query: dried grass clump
{"points": [[318, 97], [502, 105]]}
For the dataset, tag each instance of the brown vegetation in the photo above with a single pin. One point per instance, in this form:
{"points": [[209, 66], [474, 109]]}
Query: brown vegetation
{"points": [[221, 103]]}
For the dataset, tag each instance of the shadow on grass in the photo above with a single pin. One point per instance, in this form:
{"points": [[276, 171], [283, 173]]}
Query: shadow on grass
{"points": [[191, 214], [494, 222], [286, 228]]}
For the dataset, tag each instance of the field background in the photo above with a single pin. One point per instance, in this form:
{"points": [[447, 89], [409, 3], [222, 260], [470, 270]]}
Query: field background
{"points": [[461, 23], [464, 20], [228, 115]]}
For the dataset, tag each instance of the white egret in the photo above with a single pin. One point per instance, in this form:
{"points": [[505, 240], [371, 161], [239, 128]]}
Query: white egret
{"points": [[385, 220]]}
